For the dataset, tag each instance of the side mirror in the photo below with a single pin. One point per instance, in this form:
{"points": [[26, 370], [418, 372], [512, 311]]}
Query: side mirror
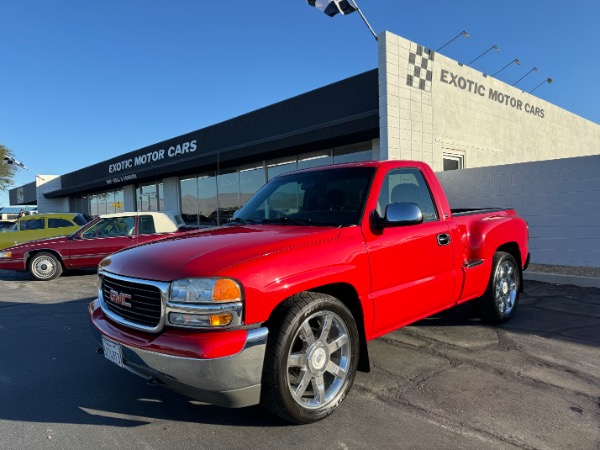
{"points": [[399, 214]]}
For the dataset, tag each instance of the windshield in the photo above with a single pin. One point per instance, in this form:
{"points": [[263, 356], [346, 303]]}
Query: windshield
{"points": [[329, 197]]}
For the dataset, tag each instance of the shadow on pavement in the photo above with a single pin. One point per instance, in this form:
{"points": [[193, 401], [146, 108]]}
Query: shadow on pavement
{"points": [[56, 375]]}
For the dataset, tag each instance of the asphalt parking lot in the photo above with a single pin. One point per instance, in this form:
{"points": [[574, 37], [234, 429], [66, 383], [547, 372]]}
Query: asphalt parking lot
{"points": [[446, 382]]}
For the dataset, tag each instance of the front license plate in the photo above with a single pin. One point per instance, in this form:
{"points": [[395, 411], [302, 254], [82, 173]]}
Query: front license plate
{"points": [[113, 351]]}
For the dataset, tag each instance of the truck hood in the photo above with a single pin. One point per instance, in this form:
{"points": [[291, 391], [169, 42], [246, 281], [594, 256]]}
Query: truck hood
{"points": [[207, 253]]}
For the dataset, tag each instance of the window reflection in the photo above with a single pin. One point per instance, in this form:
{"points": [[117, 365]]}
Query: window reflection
{"points": [[209, 200], [229, 199], [149, 197]]}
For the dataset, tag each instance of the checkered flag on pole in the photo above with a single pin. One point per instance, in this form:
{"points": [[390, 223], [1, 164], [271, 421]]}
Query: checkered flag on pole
{"points": [[10, 161], [333, 7]]}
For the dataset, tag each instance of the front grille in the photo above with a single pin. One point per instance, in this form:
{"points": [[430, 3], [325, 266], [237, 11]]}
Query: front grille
{"points": [[145, 300]]}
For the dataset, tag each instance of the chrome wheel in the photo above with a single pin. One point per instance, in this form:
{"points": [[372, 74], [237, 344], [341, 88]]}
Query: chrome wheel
{"points": [[501, 298], [506, 286], [319, 360], [45, 266]]}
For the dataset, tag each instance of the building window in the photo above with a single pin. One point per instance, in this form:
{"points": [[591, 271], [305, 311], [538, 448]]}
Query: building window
{"points": [[228, 190], [102, 203], [353, 153], [252, 178], [209, 200], [280, 166], [188, 189], [316, 159], [150, 197], [453, 161]]}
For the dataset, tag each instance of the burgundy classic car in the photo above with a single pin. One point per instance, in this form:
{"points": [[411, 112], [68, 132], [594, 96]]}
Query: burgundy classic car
{"points": [[47, 258]]}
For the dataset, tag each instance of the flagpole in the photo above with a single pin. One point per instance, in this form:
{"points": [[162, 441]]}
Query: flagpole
{"points": [[364, 18]]}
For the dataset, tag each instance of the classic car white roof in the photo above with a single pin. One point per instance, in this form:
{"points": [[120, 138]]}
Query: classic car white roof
{"points": [[164, 221]]}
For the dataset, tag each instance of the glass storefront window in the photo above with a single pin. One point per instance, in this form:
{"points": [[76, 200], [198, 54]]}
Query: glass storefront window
{"points": [[228, 191], [119, 201], [309, 160], [207, 200], [251, 180], [93, 205], [353, 153], [150, 197], [277, 167], [210, 200], [189, 201], [102, 203]]}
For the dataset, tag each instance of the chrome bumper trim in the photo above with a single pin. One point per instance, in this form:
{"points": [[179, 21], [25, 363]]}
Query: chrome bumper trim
{"points": [[232, 381]]}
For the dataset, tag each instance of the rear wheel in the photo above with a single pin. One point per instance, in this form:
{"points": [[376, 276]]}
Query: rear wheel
{"points": [[501, 298], [312, 356], [45, 266]]}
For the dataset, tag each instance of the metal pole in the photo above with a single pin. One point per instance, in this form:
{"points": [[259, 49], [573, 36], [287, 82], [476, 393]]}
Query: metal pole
{"points": [[364, 18], [516, 61], [484, 53], [535, 68]]}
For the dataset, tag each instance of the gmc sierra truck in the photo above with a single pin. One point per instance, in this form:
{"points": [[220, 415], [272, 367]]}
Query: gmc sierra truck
{"points": [[276, 307]]}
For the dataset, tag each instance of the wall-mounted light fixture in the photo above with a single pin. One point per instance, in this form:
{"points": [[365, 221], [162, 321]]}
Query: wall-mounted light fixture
{"points": [[515, 61], [462, 33], [547, 80], [493, 47]]}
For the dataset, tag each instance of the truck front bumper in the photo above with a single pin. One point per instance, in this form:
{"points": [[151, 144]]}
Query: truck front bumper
{"points": [[232, 381]]}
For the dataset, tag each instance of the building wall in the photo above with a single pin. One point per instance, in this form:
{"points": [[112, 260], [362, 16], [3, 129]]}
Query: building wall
{"points": [[49, 183], [405, 113], [560, 199], [431, 104]]}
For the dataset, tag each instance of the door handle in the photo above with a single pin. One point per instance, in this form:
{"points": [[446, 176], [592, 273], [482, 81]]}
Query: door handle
{"points": [[443, 239]]}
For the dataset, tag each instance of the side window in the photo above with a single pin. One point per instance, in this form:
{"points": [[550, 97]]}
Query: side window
{"points": [[80, 220], [116, 226], [32, 224], [407, 185], [146, 225], [59, 223]]}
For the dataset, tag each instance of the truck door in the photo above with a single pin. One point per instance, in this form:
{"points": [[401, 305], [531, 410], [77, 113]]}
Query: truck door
{"points": [[411, 266]]}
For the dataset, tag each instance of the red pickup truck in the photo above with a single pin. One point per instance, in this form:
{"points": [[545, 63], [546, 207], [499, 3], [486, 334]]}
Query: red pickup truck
{"points": [[277, 307]]}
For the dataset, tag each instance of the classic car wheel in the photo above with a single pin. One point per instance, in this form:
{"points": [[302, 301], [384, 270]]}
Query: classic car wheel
{"points": [[45, 266], [311, 360], [500, 301]]}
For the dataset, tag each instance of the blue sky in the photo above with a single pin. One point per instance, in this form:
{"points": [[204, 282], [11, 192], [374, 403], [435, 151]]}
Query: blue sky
{"points": [[81, 82]]}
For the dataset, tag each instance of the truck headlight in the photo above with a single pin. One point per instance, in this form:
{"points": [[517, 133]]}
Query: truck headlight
{"points": [[203, 290], [205, 303]]}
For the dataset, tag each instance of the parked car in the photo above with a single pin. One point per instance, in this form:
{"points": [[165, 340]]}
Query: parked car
{"points": [[40, 226], [277, 307], [46, 259], [6, 225]]}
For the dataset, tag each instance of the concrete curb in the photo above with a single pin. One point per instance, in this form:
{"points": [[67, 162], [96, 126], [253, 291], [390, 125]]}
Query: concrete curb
{"points": [[555, 278]]}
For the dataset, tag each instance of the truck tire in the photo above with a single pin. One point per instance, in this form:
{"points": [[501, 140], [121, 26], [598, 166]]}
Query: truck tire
{"points": [[311, 359], [501, 298], [45, 266]]}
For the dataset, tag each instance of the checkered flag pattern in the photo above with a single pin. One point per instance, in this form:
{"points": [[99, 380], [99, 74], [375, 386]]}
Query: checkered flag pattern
{"points": [[420, 68]]}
